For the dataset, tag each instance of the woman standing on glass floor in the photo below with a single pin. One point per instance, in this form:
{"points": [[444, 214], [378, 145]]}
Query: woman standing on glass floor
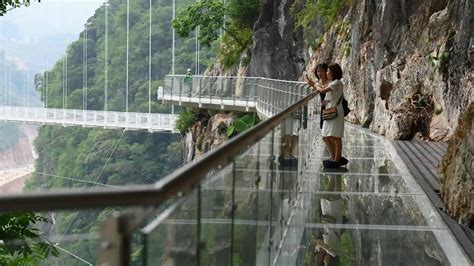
{"points": [[333, 128]]}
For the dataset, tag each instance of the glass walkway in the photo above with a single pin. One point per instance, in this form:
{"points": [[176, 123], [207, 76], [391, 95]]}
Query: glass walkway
{"points": [[260, 210], [263, 198]]}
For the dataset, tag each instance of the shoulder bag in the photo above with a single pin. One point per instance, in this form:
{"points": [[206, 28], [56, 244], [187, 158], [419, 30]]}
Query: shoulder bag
{"points": [[331, 113]]}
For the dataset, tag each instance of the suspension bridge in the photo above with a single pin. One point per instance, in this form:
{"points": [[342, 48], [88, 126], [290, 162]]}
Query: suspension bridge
{"points": [[246, 94]]}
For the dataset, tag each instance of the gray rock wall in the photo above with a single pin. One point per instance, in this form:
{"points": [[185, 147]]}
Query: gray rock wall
{"points": [[409, 68], [278, 50], [456, 171]]}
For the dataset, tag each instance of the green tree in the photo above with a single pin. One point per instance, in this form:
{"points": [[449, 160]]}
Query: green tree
{"points": [[22, 241], [209, 16], [235, 19], [6, 5]]}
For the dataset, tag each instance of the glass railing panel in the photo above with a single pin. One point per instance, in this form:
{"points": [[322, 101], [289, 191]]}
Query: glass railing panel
{"points": [[216, 218], [251, 211], [54, 238], [71, 249], [172, 237]]}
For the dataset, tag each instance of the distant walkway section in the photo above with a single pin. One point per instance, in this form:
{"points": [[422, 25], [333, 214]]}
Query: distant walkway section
{"points": [[264, 96], [89, 118]]}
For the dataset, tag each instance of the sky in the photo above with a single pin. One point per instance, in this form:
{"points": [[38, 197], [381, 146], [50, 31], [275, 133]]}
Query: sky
{"points": [[59, 16], [42, 31]]}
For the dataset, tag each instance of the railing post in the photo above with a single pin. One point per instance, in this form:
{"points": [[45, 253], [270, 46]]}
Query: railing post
{"points": [[171, 89], [114, 246], [161, 122], [148, 121], [222, 93], [190, 89], [210, 87], [180, 91], [199, 92], [235, 88], [272, 176]]}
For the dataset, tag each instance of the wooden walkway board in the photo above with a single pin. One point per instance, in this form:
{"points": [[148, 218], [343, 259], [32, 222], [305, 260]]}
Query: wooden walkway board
{"points": [[422, 159]]}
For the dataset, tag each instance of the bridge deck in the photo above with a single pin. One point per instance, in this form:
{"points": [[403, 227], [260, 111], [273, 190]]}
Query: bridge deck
{"points": [[215, 103], [89, 118]]}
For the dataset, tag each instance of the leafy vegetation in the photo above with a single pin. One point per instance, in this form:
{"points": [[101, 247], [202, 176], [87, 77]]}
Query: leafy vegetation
{"points": [[85, 157], [241, 124], [348, 256], [235, 19], [6, 5], [22, 241], [185, 119], [306, 12]]}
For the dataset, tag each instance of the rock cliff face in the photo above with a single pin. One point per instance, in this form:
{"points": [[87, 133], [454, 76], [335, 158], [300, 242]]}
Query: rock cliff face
{"points": [[278, 49], [22, 153], [407, 64], [457, 169], [206, 134]]}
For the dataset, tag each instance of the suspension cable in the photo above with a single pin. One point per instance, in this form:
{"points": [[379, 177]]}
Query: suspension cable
{"points": [[97, 178], [79, 180], [149, 67], [5, 77], [28, 78], [196, 55], [72, 254], [63, 76], [24, 87], [173, 40], [3, 58], [86, 72], [47, 81], [10, 84], [84, 68], [128, 39], [106, 67], [66, 84]]}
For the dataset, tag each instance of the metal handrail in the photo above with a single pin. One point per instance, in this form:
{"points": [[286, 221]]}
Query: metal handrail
{"points": [[183, 179], [236, 77]]}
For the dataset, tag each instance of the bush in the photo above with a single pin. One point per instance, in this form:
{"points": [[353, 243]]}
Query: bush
{"points": [[184, 121], [241, 124], [306, 12], [230, 51]]}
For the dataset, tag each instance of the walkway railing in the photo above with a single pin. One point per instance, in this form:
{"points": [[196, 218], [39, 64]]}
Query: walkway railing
{"points": [[263, 198], [89, 118], [267, 96]]}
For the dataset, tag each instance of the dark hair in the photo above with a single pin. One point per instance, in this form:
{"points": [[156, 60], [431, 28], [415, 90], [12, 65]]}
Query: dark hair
{"points": [[336, 71], [323, 66]]}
